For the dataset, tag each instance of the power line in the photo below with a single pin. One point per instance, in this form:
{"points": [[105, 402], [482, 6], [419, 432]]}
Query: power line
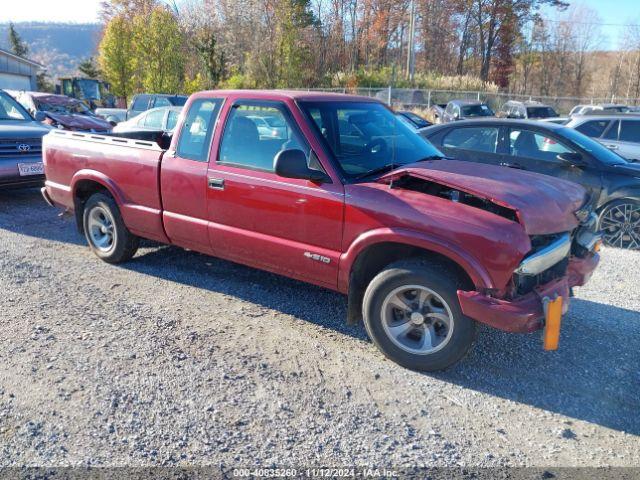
{"points": [[592, 23]]}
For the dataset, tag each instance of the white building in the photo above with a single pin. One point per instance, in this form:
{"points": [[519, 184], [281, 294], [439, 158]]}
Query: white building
{"points": [[17, 73]]}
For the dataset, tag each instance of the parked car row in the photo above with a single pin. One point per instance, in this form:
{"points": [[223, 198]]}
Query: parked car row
{"points": [[141, 103]]}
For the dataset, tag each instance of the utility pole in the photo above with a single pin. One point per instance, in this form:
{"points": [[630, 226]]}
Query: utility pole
{"points": [[411, 41]]}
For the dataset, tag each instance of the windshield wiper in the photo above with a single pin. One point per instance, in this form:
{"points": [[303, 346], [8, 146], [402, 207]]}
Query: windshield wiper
{"points": [[383, 169], [431, 157]]}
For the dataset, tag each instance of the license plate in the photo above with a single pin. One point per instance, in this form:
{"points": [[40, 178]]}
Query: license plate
{"points": [[36, 168]]}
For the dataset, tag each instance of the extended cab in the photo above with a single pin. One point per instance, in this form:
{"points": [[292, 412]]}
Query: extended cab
{"points": [[342, 195]]}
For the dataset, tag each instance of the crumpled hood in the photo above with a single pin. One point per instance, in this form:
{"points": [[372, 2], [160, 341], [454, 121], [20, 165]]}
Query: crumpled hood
{"points": [[79, 122], [543, 204]]}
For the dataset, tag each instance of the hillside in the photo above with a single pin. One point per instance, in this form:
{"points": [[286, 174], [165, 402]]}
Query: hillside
{"points": [[58, 46]]}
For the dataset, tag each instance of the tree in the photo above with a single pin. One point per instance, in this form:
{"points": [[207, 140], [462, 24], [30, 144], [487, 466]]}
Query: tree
{"points": [[492, 17], [210, 54], [18, 46], [89, 68], [158, 55], [116, 52], [292, 52], [44, 83]]}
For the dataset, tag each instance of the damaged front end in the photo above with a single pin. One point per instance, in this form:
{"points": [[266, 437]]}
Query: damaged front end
{"points": [[555, 264], [437, 189], [561, 229]]}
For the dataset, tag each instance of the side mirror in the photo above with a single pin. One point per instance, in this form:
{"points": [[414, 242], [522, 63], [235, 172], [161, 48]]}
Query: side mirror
{"points": [[293, 164], [39, 116], [456, 115], [572, 158]]}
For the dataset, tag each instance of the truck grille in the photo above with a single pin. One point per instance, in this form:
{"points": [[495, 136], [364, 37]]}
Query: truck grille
{"points": [[16, 147], [527, 283]]}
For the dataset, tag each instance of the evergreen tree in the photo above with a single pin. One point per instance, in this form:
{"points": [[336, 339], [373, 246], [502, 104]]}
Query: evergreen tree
{"points": [[18, 46]]}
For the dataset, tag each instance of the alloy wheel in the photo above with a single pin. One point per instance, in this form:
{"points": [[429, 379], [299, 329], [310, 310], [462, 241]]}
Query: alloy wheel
{"points": [[620, 225], [417, 319]]}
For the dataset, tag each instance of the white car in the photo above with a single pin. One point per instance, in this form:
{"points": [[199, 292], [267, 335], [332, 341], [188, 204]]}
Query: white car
{"points": [[161, 118]]}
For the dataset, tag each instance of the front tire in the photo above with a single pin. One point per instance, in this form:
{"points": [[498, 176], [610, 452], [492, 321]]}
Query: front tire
{"points": [[412, 314], [105, 231], [619, 222]]}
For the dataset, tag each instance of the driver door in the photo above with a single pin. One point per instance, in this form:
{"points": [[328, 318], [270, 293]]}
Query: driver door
{"points": [[538, 152], [288, 226]]}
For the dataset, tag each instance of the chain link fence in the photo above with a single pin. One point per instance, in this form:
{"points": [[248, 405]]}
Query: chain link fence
{"points": [[423, 99]]}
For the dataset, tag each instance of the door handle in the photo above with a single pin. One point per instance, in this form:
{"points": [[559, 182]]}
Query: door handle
{"points": [[512, 165], [216, 183], [612, 147]]}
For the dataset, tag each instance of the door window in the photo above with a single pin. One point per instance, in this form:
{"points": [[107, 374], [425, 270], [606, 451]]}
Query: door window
{"points": [[197, 129], [612, 132], [172, 119], [479, 139], [154, 119], [255, 133], [525, 143], [593, 128], [630, 131]]}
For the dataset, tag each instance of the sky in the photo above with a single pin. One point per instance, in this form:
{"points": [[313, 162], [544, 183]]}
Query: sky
{"points": [[615, 13], [79, 11]]}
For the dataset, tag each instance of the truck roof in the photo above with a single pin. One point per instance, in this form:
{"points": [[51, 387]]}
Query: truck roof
{"points": [[288, 94]]}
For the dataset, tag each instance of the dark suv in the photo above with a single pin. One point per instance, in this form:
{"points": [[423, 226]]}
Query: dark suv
{"points": [[146, 101], [612, 182], [463, 109], [523, 110], [20, 145]]}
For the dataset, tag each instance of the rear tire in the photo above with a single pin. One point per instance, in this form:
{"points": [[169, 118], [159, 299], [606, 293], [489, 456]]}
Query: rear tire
{"points": [[412, 314], [105, 231]]}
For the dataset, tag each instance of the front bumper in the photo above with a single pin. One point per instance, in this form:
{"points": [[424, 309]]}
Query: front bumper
{"points": [[10, 175], [525, 314]]}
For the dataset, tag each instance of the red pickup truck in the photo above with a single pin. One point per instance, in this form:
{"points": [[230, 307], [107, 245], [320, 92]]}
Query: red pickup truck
{"points": [[334, 190]]}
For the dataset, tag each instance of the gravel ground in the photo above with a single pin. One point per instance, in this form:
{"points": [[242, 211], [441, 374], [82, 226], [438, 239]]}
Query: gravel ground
{"points": [[181, 359]]}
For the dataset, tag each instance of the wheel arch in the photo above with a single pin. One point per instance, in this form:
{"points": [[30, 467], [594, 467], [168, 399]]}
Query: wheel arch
{"points": [[86, 183], [367, 257]]}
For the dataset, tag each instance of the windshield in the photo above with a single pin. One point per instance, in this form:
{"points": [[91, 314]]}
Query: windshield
{"points": [[90, 88], [596, 149], [366, 136], [62, 106], [476, 111], [12, 110], [416, 119], [541, 112]]}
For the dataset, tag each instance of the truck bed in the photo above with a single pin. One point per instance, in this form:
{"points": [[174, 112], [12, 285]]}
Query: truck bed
{"points": [[128, 167]]}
